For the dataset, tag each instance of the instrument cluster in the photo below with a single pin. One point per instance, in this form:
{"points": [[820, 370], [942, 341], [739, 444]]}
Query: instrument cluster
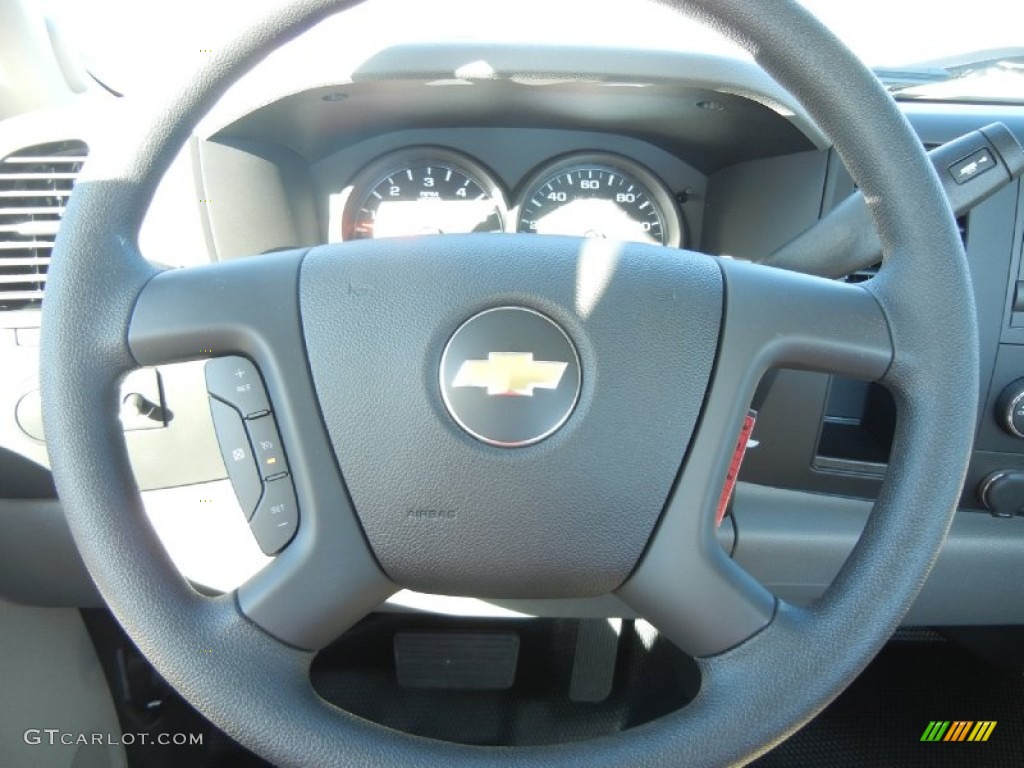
{"points": [[435, 190]]}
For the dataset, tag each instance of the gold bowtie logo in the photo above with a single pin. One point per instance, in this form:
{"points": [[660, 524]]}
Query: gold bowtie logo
{"points": [[512, 374]]}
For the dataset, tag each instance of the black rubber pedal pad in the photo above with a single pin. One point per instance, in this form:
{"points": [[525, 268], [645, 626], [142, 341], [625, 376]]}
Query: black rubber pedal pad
{"points": [[456, 660]]}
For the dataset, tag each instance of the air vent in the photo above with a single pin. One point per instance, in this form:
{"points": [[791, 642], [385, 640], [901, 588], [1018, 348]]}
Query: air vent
{"points": [[35, 184], [868, 272]]}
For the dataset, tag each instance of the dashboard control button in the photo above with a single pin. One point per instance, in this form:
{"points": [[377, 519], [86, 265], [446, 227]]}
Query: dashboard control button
{"points": [[1018, 297], [1010, 409], [972, 166], [237, 455], [1002, 492], [266, 446], [277, 516], [236, 381]]}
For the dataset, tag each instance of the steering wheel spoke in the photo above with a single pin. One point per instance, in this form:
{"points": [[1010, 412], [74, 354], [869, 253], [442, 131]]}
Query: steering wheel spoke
{"points": [[326, 579], [244, 306], [780, 319], [686, 584]]}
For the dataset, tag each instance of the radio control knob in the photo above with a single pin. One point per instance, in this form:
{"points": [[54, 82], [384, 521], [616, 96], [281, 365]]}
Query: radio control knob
{"points": [[1002, 492], [1010, 409]]}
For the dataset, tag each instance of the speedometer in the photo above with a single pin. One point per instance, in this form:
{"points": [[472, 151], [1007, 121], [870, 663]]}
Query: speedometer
{"points": [[599, 195], [423, 190]]}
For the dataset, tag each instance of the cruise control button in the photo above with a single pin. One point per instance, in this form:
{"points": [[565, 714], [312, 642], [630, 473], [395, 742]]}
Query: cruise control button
{"points": [[277, 516], [267, 445], [236, 381], [237, 455]]}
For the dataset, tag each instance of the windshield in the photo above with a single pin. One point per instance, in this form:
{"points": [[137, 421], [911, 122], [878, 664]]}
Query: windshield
{"points": [[130, 45]]}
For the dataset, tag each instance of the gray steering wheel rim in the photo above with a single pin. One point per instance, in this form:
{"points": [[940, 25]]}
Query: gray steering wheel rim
{"points": [[258, 690]]}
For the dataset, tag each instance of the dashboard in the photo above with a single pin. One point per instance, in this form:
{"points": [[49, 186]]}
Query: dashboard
{"points": [[677, 150]]}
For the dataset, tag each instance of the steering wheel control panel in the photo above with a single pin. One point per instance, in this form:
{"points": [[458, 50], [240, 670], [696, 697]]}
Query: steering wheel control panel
{"points": [[252, 452]]}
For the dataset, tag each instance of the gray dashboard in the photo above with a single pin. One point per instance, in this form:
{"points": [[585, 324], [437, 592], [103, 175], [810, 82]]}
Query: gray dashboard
{"points": [[747, 176]]}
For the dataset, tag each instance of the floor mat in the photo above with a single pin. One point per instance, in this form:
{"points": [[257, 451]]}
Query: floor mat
{"points": [[918, 678]]}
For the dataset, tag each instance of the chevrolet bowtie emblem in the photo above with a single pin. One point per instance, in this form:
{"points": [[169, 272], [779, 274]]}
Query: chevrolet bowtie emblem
{"points": [[514, 374]]}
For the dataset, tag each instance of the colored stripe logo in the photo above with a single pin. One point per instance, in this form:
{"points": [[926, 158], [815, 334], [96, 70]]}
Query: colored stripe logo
{"points": [[958, 730]]}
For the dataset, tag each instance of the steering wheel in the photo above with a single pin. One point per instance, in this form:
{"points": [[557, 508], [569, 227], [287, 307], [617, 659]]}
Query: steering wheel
{"points": [[355, 343]]}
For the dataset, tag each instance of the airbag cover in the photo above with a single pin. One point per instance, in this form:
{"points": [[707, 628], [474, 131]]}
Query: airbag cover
{"points": [[446, 513]]}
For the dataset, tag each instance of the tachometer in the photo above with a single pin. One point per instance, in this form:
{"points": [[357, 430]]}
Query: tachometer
{"points": [[424, 190], [600, 195]]}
